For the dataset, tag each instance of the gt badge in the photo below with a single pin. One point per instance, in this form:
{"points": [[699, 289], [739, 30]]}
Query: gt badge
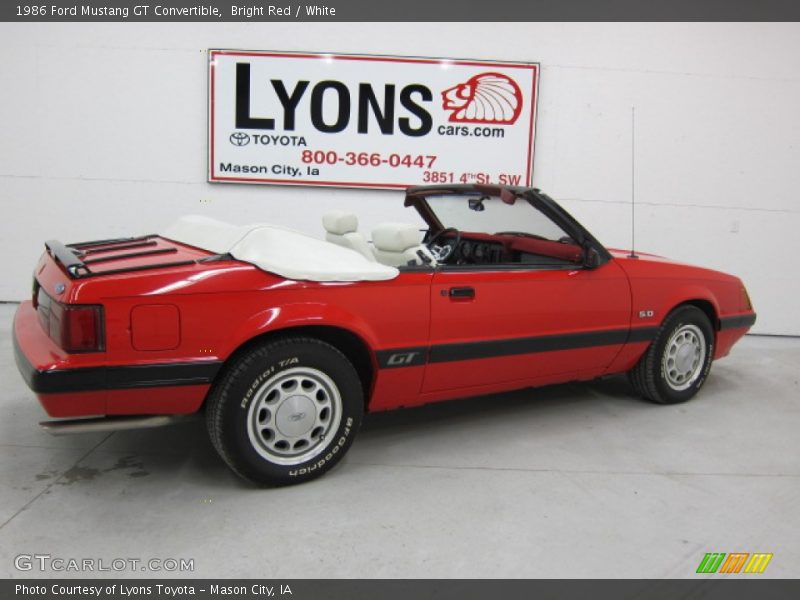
{"points": [[402, 359]]}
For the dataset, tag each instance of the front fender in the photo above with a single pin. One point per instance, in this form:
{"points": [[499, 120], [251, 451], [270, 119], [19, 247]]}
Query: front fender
{"points": [[689, 293], [653, 300]]}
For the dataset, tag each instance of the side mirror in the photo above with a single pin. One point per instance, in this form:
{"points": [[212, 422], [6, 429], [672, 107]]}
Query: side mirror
{"points": [[591, 258]]}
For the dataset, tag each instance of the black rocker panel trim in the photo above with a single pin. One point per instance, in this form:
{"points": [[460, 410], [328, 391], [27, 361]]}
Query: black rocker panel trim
{"points": [[115, 378], [527, 345], [737, 322], [642, 334], [203, 372], [407, 357]]}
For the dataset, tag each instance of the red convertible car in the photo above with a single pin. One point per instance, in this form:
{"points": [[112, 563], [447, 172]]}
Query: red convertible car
{"points": [[285, 339]]}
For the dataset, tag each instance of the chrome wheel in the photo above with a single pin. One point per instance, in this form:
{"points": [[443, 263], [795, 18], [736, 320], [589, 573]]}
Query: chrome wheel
{"points": [[684, 357], [293, 414]]}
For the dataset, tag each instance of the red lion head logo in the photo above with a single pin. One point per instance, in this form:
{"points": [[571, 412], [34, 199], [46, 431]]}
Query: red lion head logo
{"points": [[485, 98]]}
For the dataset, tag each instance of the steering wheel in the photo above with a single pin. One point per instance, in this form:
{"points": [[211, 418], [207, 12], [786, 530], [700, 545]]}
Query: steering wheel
{"points": [[442, 252]]}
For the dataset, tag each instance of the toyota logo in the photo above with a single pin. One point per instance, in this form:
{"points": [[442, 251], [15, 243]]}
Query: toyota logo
{"points": [[239, 138]]}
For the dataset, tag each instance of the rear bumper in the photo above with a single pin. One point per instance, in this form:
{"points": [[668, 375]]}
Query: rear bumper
{"points": [[44, 366], [82, 385]]}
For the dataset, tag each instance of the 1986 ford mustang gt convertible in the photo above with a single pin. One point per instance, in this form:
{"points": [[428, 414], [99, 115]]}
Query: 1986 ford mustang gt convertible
{"points": [[285, 340]]}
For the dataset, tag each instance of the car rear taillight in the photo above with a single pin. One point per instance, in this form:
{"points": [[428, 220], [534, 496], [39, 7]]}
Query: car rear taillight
{"points": [[77, 328], [74, 327]]}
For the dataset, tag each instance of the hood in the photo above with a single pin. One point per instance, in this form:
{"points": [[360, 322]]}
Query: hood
{"points": [[653, 266]]}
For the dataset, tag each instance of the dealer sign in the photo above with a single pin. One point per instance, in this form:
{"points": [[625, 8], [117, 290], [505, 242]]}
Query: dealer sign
{"points": [[369, 121]]}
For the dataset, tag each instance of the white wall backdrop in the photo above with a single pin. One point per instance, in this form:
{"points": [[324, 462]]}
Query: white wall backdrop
{"points": [[103, 133]]}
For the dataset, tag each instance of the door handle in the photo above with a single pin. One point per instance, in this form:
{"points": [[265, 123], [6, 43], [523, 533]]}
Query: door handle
{"points": [[457, 293]]}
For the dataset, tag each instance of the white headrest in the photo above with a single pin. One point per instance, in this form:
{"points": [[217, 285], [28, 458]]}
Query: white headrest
{"points": [[395, 237], [339, 222]]}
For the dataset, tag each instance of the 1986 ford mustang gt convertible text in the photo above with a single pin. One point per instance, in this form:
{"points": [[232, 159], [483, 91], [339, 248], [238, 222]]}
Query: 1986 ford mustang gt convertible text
{"points": [[285, 340]]}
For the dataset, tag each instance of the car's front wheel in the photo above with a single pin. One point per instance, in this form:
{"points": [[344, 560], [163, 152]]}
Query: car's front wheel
{"points": [[285, 411], [677, 362]]}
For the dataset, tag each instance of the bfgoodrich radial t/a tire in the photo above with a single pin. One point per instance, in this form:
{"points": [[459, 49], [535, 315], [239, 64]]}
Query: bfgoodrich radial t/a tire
{"points": [[677, 363], [286, 411]]}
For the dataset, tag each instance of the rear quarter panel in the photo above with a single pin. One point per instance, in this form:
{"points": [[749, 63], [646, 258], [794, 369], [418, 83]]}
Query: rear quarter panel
{"points": [[223, 305]]}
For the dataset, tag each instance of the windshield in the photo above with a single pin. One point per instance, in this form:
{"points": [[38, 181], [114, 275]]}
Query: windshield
{"points": [[487, 214]]}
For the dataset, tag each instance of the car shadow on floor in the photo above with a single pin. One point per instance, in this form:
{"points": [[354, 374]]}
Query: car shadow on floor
{"points": [[543, 401], [185, 451]]}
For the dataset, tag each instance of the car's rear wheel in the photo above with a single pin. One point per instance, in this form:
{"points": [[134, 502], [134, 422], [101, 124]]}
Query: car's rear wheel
{"points": [[285, 411], [678, 361]]}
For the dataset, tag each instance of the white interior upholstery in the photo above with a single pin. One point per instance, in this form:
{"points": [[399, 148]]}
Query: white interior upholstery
{"points": [[398, 245], [339, 222], [287, 253], [341, 228]]}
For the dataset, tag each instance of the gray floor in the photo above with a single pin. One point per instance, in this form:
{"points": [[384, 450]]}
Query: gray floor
{"points": [[567, 481]]}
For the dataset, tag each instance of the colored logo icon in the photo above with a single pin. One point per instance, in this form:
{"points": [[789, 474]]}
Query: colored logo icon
{"points": [[735, 562], [485, 98]]}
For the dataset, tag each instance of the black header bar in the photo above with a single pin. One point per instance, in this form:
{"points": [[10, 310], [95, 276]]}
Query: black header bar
{"points": [[282, 11], [699, 588]]}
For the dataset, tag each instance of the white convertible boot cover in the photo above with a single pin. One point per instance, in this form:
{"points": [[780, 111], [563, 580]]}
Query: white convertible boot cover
{"points": [[285, 252]]}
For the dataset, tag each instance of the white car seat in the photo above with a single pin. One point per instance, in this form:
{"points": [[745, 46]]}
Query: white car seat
{"points": [[398, 245], [341, 228]]}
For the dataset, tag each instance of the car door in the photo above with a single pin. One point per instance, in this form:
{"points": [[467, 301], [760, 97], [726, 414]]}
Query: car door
{"points": [[494, 327]]}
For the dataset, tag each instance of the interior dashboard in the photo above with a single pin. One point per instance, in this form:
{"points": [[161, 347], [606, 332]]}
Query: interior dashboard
{"points": [[473, 248]]}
